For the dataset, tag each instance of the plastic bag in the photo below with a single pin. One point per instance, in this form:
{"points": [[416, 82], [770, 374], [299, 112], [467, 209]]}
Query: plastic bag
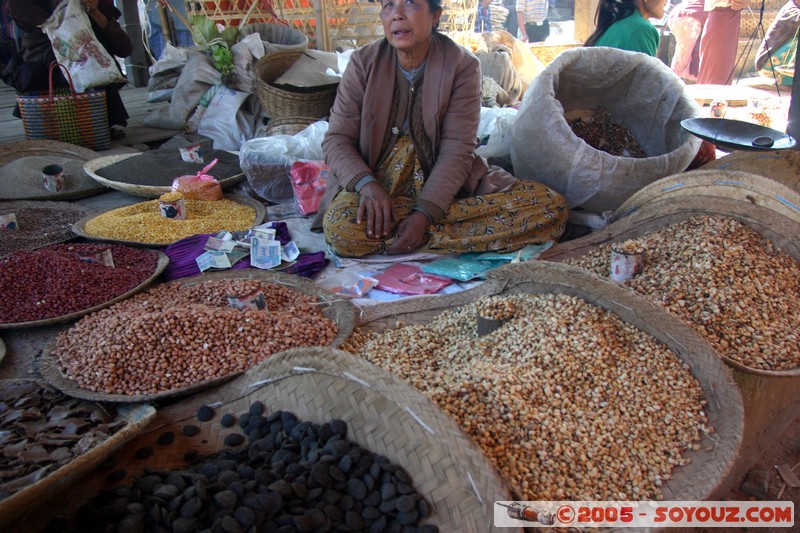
{"points": [[459, 268], [267, 161], [309, 181], [639, 91], [77, 48], [201, 186], [401, 278], [496, 125], [227, 120]]}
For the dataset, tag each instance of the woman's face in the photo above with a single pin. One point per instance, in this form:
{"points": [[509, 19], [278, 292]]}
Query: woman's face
{"points": [[408, 24], [653, 9]]}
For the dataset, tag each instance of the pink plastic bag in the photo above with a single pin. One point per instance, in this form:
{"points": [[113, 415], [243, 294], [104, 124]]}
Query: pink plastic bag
{"points": [[309, 181], [201, 186], [409, 279]]}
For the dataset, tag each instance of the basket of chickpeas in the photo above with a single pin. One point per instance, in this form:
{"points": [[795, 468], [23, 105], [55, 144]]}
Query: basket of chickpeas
{"points": [[579, 390]]}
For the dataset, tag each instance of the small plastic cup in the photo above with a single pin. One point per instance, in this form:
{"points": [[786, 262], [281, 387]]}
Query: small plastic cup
{"points": [[53, 178]]}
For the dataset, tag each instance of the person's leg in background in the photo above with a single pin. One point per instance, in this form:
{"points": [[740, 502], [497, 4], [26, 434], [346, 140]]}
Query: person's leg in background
{"points": [[718, 46]]}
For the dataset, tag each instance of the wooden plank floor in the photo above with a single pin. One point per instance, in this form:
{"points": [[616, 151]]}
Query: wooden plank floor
{"points": [[11, 129]]}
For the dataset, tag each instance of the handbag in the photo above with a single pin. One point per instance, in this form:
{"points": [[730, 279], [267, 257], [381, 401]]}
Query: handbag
{"points": [[76, 46], [66, 115]]}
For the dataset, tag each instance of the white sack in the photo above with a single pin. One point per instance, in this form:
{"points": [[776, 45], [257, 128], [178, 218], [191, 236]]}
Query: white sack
{"points": [[639, 91]]}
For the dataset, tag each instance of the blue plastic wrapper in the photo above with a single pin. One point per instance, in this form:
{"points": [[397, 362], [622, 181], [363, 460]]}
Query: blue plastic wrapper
{"points": [[462, 268]]}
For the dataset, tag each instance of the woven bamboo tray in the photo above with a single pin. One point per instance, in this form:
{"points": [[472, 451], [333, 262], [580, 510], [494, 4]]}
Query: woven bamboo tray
{"points": [[281, 102], [782, 166], [162, 263], [146, 191], [771, 398], [21, 170], [22, 503], [546, 53], [714, 184], [708, 471], [78, 227], [383, 415], [339, 310], [54, 237]]}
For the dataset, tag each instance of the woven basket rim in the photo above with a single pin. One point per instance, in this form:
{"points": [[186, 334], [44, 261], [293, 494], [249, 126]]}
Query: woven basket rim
{"points": [[78, 227], [657, 214], [339, 310], [788, 171], [34, 148], [721, 391], [735, 183], [161, 264], [32, 496], [93, 166], [278, 101], [383, 413]]}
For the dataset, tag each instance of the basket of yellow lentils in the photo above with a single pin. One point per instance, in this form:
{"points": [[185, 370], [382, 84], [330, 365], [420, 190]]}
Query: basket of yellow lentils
{"points": [[143, 224]]}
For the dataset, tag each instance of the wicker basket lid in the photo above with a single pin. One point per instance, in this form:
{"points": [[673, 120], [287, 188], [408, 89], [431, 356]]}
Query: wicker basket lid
{"points": [[383, 414]]}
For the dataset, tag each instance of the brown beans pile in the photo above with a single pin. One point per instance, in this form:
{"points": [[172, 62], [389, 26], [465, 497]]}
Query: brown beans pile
{"points": [[37, 227], [726, 281], [55, 281], [174, 336], [566, 400], [601, 132], [42, 429]]}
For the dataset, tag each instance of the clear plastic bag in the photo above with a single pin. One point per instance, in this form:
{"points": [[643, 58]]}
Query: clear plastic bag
{"points": [[309, 181], [267, 161], [201, 186]]}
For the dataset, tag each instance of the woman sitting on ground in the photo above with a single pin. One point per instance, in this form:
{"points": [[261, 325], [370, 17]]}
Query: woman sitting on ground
{"points": [[624, 24], [401, 144]]}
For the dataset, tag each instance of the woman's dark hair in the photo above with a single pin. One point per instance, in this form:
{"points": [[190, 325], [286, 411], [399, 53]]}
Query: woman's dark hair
{"points": [[433, 5], [609, 12]]}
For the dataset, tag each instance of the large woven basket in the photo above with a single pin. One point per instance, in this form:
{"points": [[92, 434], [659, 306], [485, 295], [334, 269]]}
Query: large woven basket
{"points": [[383, 415], [708, 473], [289, 125], [285, 102], [771, 399], [66, 115], [339, 310], [25, 501], [713, 184], [782, 166]]}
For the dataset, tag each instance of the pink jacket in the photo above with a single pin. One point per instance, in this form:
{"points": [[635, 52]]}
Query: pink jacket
{"points": [[451, 107]]}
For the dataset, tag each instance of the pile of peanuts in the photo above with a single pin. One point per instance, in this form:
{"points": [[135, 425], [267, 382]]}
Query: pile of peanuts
{"points": [[566, 400], [57, 280], [143, 223], [174, 336], [629, 247], [726, 281]]}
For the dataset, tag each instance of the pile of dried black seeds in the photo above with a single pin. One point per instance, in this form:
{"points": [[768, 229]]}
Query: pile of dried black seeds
{"points": [[290, 476]]}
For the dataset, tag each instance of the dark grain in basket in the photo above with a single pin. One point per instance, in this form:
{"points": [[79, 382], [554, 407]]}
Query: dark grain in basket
{"points": [[281, 481]]}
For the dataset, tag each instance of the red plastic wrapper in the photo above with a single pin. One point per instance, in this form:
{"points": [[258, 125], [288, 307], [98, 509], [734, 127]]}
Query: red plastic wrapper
{"points": [[409, 279], [309, 181], [201, 186]]}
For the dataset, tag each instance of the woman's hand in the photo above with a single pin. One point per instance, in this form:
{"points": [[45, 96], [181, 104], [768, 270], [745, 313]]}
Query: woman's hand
{"points": [[738, 5], [377, 207], [89, 5], [410, 234]]}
